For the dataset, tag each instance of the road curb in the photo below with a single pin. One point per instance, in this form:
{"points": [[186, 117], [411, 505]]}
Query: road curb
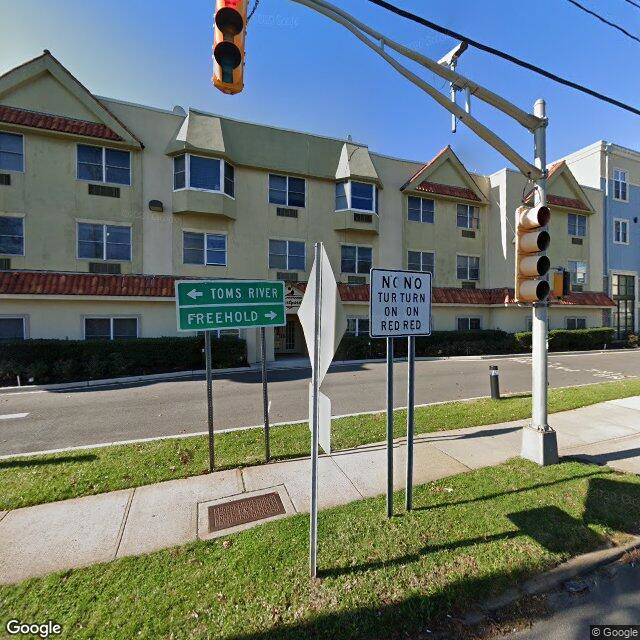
{"points": [[553, 579]]}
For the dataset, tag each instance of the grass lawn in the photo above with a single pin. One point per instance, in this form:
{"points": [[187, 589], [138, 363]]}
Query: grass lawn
{"points": [[469, 538], [35, 480]]}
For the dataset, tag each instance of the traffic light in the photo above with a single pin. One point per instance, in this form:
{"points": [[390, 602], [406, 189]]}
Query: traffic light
{"points": [[229, 26], [532, 264]]}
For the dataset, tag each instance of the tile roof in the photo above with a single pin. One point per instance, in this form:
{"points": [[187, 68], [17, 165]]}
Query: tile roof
{"points": [[448, 190], [567, 203], [89, 284], [38, 120]]}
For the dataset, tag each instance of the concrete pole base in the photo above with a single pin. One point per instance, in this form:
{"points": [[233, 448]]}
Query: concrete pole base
{"points": [[539, 446]]}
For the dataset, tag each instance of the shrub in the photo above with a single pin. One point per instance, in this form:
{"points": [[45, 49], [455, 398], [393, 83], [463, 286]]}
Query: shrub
{"points": [[439, 343], [632, 341], [571, 339], [49, 361]]}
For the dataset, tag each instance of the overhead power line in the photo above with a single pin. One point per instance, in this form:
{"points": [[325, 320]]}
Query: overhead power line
{"points": [[633, 4], [505, 56], [597, 16]]}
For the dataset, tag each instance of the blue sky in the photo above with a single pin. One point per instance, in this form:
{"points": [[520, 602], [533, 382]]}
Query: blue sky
{"points": [[305, 72]]}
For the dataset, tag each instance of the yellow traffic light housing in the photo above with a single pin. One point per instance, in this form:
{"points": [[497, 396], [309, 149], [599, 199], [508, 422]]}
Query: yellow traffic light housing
{"points": [[532, 263], [229, 26]]}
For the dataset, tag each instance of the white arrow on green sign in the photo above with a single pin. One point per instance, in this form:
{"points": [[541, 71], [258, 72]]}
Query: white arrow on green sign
{"points": [[204, 305]]}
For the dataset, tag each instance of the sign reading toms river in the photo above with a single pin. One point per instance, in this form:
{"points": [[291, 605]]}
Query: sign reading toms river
{"points": [[205, 305], [400, 303]]}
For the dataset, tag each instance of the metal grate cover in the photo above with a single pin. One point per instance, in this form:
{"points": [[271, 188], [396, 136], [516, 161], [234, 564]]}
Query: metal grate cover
{"points": [[244, 510]]}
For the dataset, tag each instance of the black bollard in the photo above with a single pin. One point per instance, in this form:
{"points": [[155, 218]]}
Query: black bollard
{"points": [[494, 381]]}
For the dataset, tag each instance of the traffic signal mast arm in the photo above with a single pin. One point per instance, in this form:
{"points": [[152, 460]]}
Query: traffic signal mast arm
{"points": [[527, 120]]}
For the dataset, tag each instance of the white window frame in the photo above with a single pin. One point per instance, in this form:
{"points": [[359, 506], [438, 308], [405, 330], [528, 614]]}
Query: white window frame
{"points": [[13, 133], [205, 234], [586, 272], [347, 192], [357, 320], [469, 319], [24, 235], [358, 247], [422, 200], [187, 174], [626, 224], [137, 318], [104, 165], [466, 255], [287, 240], [25, 322], [470, 216], [104, 240], [575, 318], [617, 170], [422, 252], [586, 225], [286, 177]]}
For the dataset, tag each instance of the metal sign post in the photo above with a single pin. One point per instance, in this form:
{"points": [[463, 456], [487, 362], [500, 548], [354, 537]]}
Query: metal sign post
{"points": [[207, 357], [389, 427], [411, 386], [400, 306], [265, 394], [208, 305]]}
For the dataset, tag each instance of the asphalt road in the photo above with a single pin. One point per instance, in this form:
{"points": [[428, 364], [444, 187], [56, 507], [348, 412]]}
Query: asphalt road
{"points": [[60, 419], [611, 597]]}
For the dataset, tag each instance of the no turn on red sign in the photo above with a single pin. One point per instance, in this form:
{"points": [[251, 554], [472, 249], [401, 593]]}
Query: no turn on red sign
{"points": [[400, 303]]}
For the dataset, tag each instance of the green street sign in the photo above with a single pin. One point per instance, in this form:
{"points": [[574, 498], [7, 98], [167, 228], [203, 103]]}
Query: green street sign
{"points": [[203, 305]]}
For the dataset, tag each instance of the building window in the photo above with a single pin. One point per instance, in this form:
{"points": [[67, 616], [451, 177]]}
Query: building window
{"points": [[12, 329], [620, 185], [468, 267], [578, 271], [421, 209], [11, 236], [104, 242], [11, 152], [620, 231], [623, 292], [355, 259], [421, 261], [468, 217], [110, 328], [204, 248], [577, 225], [360, 196], [287, 191], [203, 174], [357, 327], [287, 255], [576, 323], [100, 164], [468, 324]]}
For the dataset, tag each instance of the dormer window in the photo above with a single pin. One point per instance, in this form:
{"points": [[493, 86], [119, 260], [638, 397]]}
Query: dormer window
{"points": [[359, 196], [203, 174]]}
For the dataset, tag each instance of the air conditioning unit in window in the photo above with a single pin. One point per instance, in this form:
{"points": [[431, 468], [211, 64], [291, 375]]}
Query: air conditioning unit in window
{"points": [[290, 276], [104, 267], [576, 241], [363, 217], [104, 190], [468, 285], [285, 212], [468, 233], [357, 280], [577, 287], [5, 264], [5, 179]]}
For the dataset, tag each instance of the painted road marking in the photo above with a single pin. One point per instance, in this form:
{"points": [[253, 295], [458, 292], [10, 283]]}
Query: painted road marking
{"points": [[12, 416]]}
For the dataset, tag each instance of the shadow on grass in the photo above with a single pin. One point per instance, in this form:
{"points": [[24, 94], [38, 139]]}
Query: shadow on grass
{"points": [[17, 463], [491, 496]]}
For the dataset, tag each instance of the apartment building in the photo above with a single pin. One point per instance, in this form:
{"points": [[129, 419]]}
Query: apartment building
{"points": [[615, 170], [104, 203]]}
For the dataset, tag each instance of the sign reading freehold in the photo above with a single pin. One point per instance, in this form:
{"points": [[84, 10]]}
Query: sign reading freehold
{"points": [[205, 305]]}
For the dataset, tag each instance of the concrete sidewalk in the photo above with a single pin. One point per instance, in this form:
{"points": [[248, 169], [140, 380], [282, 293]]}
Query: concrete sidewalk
{"points": [[74, 533]]}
